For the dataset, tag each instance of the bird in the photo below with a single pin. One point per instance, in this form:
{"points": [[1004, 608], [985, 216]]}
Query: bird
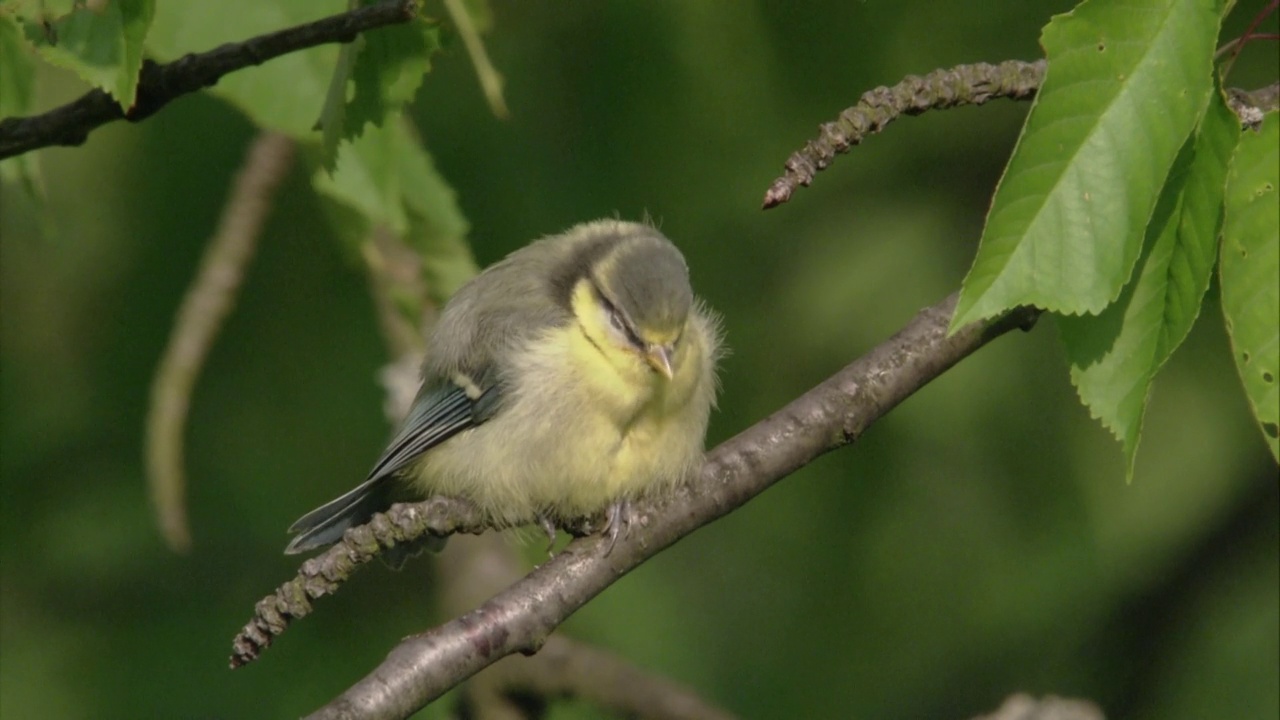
{"points": [[570, 378]]}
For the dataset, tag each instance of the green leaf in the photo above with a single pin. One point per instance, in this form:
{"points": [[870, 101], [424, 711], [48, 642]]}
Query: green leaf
{"points": [[17, 71], [1115, 355], [103, 46], [333, 116], [17, 91], [386, 67], [1126, 84], [284, 94], [1250, 267], [1199, 223], [386, 178], [437, 227], [389, 70]]}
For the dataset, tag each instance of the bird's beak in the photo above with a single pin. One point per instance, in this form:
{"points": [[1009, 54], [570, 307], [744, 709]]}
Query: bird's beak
{"points": [[659, 356]]}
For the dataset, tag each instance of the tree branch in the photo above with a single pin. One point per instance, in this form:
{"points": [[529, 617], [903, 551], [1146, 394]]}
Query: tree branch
{"points": [[941, 90], [520, 619], [159, 84], [938, 90]]}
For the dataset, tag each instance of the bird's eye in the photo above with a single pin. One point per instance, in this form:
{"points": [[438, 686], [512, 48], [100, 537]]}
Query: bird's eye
{"points": [[620, 325]]}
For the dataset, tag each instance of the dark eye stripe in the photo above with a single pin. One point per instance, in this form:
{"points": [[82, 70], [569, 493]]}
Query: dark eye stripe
{"points": [[614, 313]]}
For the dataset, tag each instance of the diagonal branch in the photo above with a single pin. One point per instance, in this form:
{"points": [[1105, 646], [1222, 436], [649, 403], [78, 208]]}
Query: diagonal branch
{"points": [[159, 84], [522, 617]]}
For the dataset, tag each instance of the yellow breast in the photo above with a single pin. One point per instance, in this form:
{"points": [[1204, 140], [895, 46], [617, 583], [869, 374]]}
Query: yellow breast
{"points": [[580, 429]]}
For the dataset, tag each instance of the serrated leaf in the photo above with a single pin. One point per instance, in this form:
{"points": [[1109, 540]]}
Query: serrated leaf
{"points": [[1126, 84], [366, 178], [333, 115], [1249, 270], [389, 70], [103, 46], [1199, 223], [374, 78], [17, 84], [1115, 355], [386, 178]]}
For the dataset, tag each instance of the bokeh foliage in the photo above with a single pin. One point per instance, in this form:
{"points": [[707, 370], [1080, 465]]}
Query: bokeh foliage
{"points": [[981, 540]]}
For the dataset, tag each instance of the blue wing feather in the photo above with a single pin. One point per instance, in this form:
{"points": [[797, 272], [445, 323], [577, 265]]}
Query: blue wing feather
{"points": [[437, 415]]}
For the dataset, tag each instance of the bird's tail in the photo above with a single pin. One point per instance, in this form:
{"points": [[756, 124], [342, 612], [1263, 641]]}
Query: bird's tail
{"points": [[325, 525]]}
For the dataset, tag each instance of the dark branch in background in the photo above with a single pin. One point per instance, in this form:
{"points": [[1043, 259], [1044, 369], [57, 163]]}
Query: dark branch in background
{"points": [[158, 84], [210, 298], [939, 90], [520, 618], [1235, 46], [1151, 622], [564, 668]]}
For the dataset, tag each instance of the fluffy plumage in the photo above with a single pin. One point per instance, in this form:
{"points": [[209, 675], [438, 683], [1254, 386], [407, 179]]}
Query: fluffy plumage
{"points": [[576, 374]]}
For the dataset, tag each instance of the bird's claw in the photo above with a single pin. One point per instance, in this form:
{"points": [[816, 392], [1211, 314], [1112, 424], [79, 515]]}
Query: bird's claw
{"points": [[549, 528], [616, 517]]}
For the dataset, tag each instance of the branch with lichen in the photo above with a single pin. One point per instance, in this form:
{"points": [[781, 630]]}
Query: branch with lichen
{"points": [[941, 90], [159, 84], [324, 574], [207, 302], [522, 617]]}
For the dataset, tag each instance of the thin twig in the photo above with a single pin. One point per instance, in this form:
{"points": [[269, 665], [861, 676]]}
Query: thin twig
{"points": [[324, 574], [1235, 46], [522, 617], [158, 84], [490, 79], [939, 90], [210, 298]]}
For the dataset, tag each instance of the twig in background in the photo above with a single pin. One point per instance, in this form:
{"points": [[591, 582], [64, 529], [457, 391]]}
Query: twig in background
{"points": [[490, 79], [210, 297]]}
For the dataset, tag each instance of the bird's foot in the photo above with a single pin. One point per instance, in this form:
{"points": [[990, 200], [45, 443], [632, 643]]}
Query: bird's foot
{"points": [[549, 528], [616, 517]]}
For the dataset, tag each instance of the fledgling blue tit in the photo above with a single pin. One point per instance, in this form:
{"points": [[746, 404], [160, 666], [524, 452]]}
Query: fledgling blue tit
{"points": [[571, 377]]}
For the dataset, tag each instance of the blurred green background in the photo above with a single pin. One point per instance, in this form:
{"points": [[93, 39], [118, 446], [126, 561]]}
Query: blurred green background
{"points": [[979, 541]]}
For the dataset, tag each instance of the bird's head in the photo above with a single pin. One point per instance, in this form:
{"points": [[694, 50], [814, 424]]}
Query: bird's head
{"points": [[641, 293]]}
